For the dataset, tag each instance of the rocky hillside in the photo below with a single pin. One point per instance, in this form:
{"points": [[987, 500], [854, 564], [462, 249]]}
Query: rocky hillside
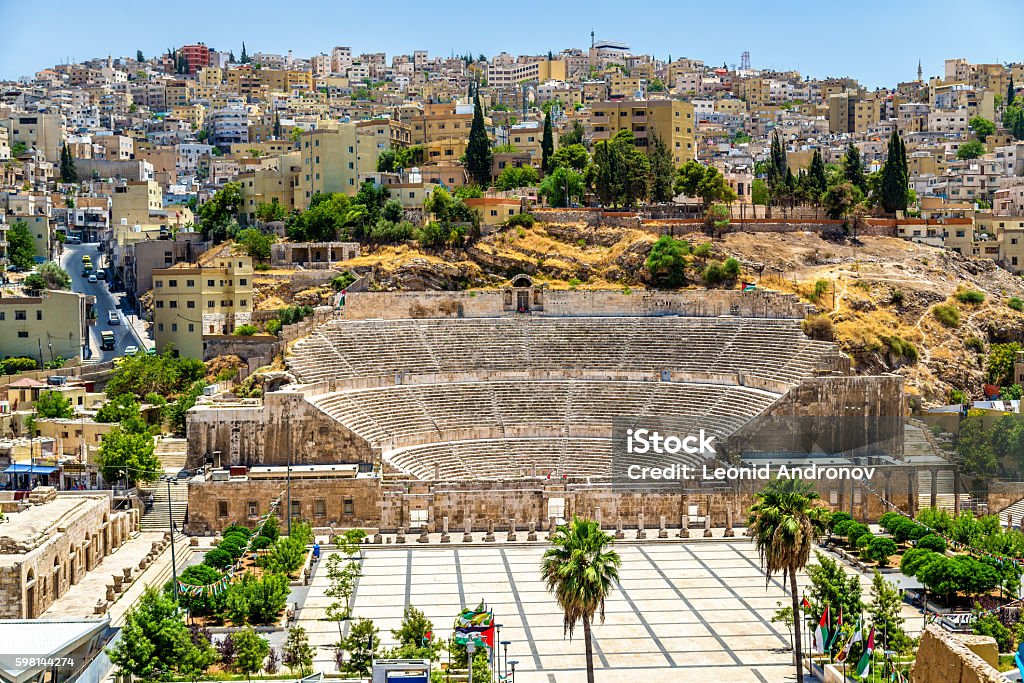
{"points": [[880, 294]]}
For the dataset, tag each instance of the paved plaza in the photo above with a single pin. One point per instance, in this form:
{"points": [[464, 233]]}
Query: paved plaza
{"points": [[683, 612]]}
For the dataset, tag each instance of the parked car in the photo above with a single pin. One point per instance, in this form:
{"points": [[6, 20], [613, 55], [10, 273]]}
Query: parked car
{"points": [[73, 240], [101, 274], [92, 279], [131, 350], [113, 318]]}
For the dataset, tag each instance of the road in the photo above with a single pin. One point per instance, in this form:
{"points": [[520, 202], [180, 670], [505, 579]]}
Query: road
{"points": [[125, 334]]}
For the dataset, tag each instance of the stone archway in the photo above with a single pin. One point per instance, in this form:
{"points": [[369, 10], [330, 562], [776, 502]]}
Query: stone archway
{"points": [[55, 577], [30, 595]]}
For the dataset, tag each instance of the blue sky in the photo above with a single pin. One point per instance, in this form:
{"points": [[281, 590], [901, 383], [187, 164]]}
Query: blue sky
{"points": [[878, 42]]}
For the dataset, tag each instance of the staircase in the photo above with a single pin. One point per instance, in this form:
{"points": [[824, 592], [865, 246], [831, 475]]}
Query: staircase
{"points": [[944, 498], [156, 519], [172, 454], [1016, 511]]}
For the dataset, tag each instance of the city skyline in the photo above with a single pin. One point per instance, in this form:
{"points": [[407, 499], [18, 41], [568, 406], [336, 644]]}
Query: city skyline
{"points": [[850, 49]]}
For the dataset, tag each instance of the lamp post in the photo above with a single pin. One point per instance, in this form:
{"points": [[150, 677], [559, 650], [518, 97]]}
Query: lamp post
{"points": [[170, 522], [470, 650], [495, 655], [504, 643], [513, 665]]}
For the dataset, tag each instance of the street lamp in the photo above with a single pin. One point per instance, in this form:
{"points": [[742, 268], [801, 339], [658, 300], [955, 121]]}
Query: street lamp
{"points": [[513, 665], [470, 650], [495, 655], [505, 643], [170, 522]]}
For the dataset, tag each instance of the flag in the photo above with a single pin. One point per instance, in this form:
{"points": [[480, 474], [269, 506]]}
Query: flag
{"points": [[476, 626], [821, 632], [838, 630], [855, 637], [865, 660], [805, 604]]}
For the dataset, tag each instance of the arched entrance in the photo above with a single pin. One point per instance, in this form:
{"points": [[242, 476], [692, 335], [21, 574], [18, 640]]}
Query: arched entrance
{"points": [[30, 594]]}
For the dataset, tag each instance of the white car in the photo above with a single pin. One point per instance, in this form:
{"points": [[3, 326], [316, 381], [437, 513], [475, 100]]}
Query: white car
{"points": [[92, 279], [113, 318], [131, 350]]}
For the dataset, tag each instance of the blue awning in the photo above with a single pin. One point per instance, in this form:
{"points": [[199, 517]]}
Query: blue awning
{"points": [[20, 468]]}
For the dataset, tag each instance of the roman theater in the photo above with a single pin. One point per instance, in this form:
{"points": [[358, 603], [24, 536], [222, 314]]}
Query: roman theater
{"points": [[420, 411]]}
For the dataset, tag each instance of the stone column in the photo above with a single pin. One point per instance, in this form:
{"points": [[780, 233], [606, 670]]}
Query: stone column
{"points": [[467, 536], [400, 538], [532, 533], [445, 538], [511, 529], [956, 492], [935, 487], [640, 533], [729, 531], [662, 531], [489, 536], [911, 476], [551, 527], [707, 523], [684, 526], [618, 529]]}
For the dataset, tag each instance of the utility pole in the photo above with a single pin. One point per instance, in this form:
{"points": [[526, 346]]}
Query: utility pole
{"points": [[288, 446], [174, 560]]}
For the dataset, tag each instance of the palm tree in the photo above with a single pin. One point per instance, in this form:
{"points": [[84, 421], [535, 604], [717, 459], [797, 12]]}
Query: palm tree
{"points": [[580, 569], [783, 527]]}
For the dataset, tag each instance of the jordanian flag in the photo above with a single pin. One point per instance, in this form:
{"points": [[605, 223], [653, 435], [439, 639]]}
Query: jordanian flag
{"points": [[821, 632], [855, 637], [865, 660], [838, 630]]}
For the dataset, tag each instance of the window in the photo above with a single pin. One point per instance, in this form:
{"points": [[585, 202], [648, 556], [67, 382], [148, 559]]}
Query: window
{"points": [[23, 334], [296, 508], [348, 506], [319, 507], [418, 517], [243, 302], [172, 283], [209, 283], [190, 283], [191, 327], [210, 304], [174, 327], [20, 315], [39, 315], [253, 509], [173, 304], [159, 304], [556, 509], [3, 315], [222, 508], [160, 327], [190, 304], [242, 282]]}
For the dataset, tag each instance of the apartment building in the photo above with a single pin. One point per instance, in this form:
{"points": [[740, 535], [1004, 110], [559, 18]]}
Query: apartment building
{"points": [[53, 324], [278, 183], [43, 131], [671, 119], [196, 56], [135, 202], [190, 301], [229, 125], [329, 161]]}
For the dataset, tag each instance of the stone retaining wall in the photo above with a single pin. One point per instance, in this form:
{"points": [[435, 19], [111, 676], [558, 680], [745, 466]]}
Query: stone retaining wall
{"points": [[945, 657]]}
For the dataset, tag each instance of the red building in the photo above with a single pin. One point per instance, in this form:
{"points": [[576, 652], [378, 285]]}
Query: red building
{"points": [[197, 56]]}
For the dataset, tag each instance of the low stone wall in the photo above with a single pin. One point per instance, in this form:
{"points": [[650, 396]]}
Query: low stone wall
{"points": [[258, 346], [1003, 494], [945, 657]]}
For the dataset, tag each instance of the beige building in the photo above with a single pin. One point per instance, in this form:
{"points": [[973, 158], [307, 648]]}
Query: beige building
{"points": [[42, 131], [329, 161], [191, 301], [136, 202], [671, 119], [37, 326]]}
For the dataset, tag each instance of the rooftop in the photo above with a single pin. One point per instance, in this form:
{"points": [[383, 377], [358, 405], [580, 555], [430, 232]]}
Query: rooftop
{"points": [[27, 530]]}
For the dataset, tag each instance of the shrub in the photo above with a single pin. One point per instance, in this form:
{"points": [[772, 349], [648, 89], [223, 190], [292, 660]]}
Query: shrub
{"points": [[820, 287], [970, 296], [294, 314], [237, 529], [245, 330], [1016, 303], [880, 549], [342, 281], [901, 348], [947, 315], [273, 326], [864, 540], [574, 282], [12, 366], [218, 558], [836, 517], [271, 528], [232, 548], [702, 250], [731, 267], [975, 344], [855, 531], [932, 542], [285, 556], [889, 520], [261, 542], [525, 220], [841, 527], [819, 327], [990, 625], [713, 274], [896, 299]]}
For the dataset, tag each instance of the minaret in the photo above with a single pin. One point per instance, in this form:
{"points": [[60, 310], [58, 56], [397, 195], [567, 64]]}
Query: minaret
{"points": [[919, 73]]}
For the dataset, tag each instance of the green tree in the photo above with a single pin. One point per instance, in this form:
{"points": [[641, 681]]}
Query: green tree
{"points": [[128, 456], [999, 366], [663, 172], [244, 59], [255, 600], [138, 57], [841, 199], [478, 149], [298, 655], [256, 243], [697, 180], [277, 126], [48, 275], [981, 127], [52, 404], [778, 167], [155, 643], [562, 186], [216, 215], [21, 246], [894, 176], [574, 156], [573, 137], [817, 180], [622, 172], [972, 149], [268, 213], [361, 645], [759, 192], [68, 173], [251, 649], [783, 531], [853, 168], [880, 549], [885, 610], [514, 177], [547, 144], [580, 568], [974, 450], [668, 259]]}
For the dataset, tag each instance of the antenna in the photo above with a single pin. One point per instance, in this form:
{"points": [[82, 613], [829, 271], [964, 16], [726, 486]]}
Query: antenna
{"points": [[591, 38], [745, 60]]}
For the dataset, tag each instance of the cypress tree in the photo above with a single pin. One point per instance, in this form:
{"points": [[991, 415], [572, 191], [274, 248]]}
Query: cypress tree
{"points": [[853, 168], [68, 173], [663, 172], [277, 126], [777, 165], [816, 177], [1010, 92], [245, 56], [478, 149], [895, 176], [547, 144]]}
